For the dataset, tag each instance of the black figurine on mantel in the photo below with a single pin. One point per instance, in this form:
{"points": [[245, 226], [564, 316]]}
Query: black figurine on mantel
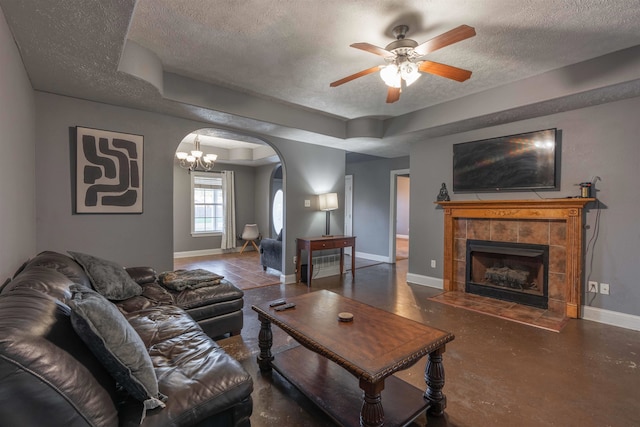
{"points": [[443, 196]]}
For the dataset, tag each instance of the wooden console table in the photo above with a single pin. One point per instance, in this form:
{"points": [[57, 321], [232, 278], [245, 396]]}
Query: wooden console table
{"points": [[311, 244]]}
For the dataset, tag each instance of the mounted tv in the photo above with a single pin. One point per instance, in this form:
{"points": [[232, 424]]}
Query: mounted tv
{"points": [[527, 161]]}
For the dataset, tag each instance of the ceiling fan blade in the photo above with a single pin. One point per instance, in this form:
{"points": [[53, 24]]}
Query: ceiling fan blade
{"points": [[443, 70], [445, 39], [355, 76], [393, 94], [367, 47]]}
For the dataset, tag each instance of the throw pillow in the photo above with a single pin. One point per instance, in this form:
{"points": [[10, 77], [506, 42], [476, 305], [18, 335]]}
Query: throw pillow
{"points": [[107, 277], [115, 344]]}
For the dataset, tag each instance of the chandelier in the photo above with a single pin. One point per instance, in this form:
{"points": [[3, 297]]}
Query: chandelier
{"points": [[196, 159]]}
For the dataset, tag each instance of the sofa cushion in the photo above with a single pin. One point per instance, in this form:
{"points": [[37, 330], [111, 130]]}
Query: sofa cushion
{"points": [[48, 375], [115, 343], [192, 298], [107, 277], [198, 376], [142, 275], [61, 263], [44, 280]]}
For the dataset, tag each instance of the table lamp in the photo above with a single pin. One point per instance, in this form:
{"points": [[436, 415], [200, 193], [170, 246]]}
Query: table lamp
{"points": [[328, 202]]}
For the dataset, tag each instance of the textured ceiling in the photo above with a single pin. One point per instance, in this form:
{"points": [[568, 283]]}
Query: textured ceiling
{"points": [[292, 50], [282, 56]]}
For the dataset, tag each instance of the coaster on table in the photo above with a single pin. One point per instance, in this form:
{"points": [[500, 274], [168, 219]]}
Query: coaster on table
{"points": [[345, 317]]}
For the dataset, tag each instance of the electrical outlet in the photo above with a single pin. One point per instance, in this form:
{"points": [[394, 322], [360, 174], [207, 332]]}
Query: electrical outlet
{"points": [[433, 263], [295, 259], [307, 203], [593, 287], [604, 288]]}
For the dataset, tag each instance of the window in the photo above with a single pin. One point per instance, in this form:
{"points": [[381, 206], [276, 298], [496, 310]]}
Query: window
{"points": [[207, 208], [277, 211]]}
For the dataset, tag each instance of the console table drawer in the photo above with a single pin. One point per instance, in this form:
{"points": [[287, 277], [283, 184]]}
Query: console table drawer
{"points": [[331, 244]]}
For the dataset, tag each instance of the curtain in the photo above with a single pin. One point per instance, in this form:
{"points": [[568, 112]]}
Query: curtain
{"points": [[229, 206]]}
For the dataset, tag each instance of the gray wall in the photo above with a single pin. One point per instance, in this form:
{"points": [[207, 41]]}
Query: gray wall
{"points": [[17, 166], [371, 199], [601, 140], [245, 177], [147, 239], [308, 170]]}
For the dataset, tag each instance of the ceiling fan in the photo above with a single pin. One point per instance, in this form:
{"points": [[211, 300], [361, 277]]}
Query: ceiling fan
{"points": [[404, 63]]}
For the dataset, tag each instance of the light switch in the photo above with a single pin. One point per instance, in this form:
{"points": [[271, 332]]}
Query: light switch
{"points": [[307, 203]]}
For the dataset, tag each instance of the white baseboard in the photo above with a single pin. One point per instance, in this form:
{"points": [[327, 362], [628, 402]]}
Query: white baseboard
{"points": [[614, 318], [402, 236], [206, 252], [418, 279], [372, 257]]}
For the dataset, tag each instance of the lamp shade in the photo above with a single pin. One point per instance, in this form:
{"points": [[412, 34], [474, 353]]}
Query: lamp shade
{"points": [[328, 201]]}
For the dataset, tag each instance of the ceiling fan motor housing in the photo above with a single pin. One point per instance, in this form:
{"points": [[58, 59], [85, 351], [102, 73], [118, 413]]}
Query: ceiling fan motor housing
{"points": [[402, 47]]}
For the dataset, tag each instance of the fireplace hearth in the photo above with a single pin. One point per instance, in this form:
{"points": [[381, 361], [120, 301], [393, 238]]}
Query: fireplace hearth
{"points": [[508, 271]]}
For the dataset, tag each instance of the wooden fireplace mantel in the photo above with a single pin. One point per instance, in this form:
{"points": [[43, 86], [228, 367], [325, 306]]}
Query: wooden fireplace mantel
{"points": [[568, 210]]}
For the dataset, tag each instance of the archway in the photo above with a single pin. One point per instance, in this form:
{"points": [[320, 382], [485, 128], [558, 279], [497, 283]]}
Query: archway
{"points": [[252, 161]]}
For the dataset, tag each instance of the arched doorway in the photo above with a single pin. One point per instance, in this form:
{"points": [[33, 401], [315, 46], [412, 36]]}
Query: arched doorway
{"points": [[252, 162]]}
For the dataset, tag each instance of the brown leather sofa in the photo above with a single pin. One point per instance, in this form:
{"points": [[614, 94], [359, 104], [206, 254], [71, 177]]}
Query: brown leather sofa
{"points": [[49, 376]]}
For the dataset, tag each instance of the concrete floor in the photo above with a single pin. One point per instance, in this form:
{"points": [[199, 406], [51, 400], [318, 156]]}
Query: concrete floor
{"points": [[498, 373]]}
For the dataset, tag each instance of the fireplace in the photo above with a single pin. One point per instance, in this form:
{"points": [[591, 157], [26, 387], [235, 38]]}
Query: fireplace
{"points": [[553, 222], [509, 271]]}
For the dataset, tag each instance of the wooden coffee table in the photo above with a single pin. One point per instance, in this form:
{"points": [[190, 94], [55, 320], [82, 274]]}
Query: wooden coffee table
{"points": [[371, 348]]}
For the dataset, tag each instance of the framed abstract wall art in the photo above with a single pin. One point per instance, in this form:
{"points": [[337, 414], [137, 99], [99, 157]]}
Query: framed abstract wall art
{"points": [[108, 172]]}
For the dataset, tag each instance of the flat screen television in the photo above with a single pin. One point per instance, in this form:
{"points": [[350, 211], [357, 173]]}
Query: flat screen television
{"points": [[527, 161]]}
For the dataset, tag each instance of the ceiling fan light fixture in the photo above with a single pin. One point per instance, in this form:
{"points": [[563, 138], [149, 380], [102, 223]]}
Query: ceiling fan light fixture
{"points": [[409, 72], [391, 76], [403, 58]]}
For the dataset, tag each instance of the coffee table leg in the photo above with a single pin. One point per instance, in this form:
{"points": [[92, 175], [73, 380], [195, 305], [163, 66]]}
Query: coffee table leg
{"points": [[372, 414], [265, 341], [434, 377]]}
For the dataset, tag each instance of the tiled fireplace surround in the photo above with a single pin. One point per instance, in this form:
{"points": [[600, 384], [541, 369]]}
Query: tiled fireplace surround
{"points": [[553, 222]]}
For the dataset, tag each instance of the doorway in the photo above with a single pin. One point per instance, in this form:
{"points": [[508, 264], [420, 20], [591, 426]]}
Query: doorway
{"points": [[399, 215], [348, 209]]}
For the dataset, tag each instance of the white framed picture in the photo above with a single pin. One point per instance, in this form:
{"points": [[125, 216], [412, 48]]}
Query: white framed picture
{"points": [[108, 172]]}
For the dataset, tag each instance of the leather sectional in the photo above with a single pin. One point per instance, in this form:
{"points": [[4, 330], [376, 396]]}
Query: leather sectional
{"points": [[50, 376]]}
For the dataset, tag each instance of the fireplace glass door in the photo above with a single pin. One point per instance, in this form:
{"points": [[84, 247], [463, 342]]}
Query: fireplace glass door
{"points": [[516, 272]]}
